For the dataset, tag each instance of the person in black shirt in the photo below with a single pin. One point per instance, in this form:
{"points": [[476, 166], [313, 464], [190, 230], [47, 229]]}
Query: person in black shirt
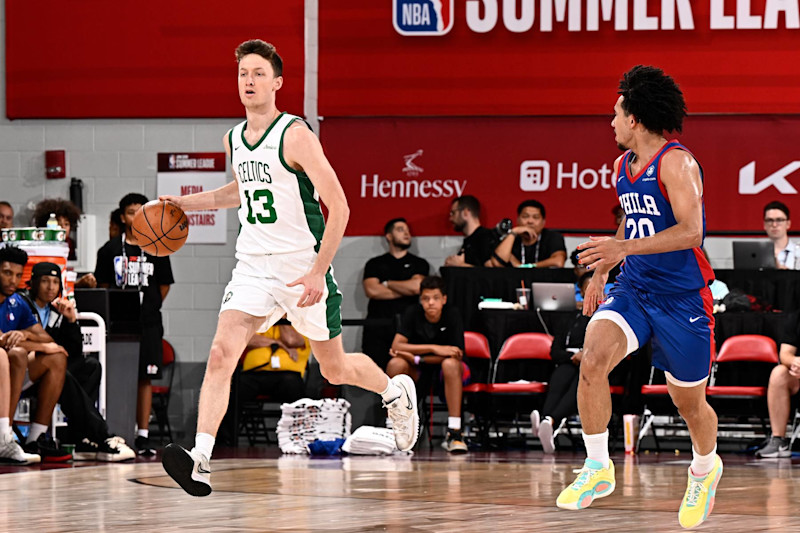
{"points": [[430, 340], [86, 426], [532, 244], [127, 267], [479, 242], [562, 395], [784, 382], [391, 282]]}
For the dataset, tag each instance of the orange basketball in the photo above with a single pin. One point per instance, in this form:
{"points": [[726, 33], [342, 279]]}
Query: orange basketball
{"points": [[160, 228]]}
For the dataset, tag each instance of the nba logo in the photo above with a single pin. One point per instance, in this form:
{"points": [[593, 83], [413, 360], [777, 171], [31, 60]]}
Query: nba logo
{"points": [[422, 17]]}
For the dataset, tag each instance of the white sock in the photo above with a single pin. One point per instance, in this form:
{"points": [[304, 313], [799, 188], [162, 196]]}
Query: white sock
{"points": [[702, 464], [454, 422], [36, 430], [143, 433], [391, 393], [5, 425], [597, 447], [204, 443]]}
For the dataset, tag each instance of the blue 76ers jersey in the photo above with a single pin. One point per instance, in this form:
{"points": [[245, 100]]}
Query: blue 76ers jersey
{"points": [[647, 212]]}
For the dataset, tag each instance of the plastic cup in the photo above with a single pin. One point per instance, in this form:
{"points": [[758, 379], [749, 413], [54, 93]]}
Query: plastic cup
{"points": [[523, 297]]}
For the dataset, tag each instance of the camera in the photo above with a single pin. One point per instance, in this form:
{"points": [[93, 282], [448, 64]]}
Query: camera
{"points": [[503, 228]]}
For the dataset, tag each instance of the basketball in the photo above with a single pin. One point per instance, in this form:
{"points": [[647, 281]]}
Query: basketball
{"points": [[160, 228]]}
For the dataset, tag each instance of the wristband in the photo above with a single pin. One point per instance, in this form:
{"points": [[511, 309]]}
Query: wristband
{"points": [[534, 265], [417, 360], [385, 283]]}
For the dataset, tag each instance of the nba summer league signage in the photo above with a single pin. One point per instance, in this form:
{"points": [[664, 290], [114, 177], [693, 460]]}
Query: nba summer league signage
{"points": [[552, 57], [415, 167], [180, 174]]}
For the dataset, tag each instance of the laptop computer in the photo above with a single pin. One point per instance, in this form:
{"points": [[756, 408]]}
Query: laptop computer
{"points": [[554, 296], [753, 255]]}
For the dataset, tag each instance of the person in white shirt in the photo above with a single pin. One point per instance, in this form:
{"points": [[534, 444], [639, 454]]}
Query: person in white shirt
{"points": [[777, 223]]}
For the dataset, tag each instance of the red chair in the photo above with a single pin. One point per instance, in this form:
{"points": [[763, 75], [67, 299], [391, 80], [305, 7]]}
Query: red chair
{"points": [[161, 392], [519, 379], [478, 357], [479, 360]]}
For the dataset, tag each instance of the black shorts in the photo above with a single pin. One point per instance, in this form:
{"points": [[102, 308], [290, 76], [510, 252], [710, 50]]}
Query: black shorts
{"points": [[151, 353]]}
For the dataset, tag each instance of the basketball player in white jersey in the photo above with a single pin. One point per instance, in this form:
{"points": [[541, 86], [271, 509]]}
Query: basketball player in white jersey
{"points": [[284, 253]]}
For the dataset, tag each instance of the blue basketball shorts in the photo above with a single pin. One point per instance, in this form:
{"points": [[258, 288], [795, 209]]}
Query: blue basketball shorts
{"points": [[680, 326]]}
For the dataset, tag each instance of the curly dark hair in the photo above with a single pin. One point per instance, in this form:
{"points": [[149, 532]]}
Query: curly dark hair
{"points": [[12, 254], [653, 98], [59, 206]]}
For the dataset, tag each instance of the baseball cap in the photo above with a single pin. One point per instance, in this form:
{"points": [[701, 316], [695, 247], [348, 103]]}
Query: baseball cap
{"points": [[46, 269]]}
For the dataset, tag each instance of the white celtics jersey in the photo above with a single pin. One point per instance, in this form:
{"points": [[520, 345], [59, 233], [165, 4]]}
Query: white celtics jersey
{"points": [[279, 209]]}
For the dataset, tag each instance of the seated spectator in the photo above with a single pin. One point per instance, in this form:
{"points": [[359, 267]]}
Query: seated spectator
{"points": [[479, 242], [67, 214], [10, 451], [6, 215], [533, 244], [777, 224], [784, 382], [579, 270], [86, 426], [391, 282], [44, 360], [562, 395], [274, 365], [430, 342]]}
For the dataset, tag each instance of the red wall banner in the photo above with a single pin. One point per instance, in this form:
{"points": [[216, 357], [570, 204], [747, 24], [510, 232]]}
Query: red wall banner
{"points": [[553, 57], [141, 59], [415, 167]]}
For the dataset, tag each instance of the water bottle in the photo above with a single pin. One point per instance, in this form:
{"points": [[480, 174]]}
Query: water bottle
{"points": [[52, 222]]}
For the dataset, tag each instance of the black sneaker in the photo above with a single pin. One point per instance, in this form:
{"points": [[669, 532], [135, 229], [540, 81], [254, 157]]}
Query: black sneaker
{"points": [[144, 447], [189, 469], [454, 442], [85, 450], [48, 449]]}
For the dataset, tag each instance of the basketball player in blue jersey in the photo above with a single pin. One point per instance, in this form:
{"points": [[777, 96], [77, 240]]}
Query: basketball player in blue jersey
{"points": [[284, 252], [662, 294]]}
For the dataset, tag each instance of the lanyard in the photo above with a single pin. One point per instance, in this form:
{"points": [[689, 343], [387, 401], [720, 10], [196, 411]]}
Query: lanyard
{"points": [[141, 260], [535, 252]]}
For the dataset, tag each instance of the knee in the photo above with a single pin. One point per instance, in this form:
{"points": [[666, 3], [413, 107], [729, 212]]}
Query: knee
{"points": [[57, 363], [221, 360], [18, 357], [780, 377], [594, 364], [396, 366], [452, 367], [690, 409]]}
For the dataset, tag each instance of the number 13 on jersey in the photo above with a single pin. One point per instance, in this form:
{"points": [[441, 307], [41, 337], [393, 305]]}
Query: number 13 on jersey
{"points": [[264, 210]]}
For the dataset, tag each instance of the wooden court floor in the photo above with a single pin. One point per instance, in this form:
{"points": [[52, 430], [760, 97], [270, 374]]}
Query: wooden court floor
{"points": [[481, 492]]}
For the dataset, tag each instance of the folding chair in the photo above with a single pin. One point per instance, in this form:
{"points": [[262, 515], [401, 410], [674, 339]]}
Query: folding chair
{"points": [[479, 360], [740, 374], [520, 374]]}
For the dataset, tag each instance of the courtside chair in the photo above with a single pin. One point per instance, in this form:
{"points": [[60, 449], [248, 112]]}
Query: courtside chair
{"points": [[162, 392], [476, 397], [519, 377], [740, 375]]}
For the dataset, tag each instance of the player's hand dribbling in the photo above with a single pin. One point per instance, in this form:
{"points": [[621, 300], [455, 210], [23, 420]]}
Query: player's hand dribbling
{"points": [[314, 285], [177, 200]]}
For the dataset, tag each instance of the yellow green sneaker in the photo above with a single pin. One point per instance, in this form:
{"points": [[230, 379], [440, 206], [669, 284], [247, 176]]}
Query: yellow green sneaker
{"points": [[699, 498], [593, 481]]}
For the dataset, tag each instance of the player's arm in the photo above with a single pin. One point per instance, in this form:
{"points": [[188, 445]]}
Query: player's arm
{"points": [[302, 150], [595, 291], [221, 198]]}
